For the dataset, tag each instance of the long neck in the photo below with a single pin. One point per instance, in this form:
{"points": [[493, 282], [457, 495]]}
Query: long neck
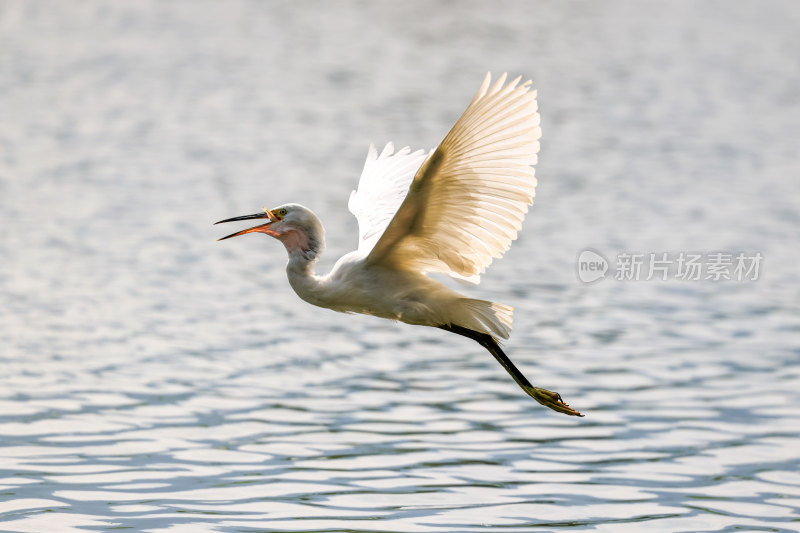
{"points": [[303, 253]]}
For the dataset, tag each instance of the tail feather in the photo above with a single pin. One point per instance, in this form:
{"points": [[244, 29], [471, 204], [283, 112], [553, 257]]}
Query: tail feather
{"points": [[489, 317]]}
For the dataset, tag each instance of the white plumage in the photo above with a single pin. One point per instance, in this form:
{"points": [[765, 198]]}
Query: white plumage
{"points": [[450, 211], [466, 203], [382, 188]]}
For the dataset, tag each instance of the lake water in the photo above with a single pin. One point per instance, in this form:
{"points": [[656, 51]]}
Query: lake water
{"points": [[152, 379]]}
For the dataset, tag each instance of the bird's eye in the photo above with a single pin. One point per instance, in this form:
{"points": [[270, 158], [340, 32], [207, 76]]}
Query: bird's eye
{"points": [[282, 212]]}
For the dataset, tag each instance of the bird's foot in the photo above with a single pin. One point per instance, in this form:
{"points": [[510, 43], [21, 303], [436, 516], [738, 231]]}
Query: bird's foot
{"points": [[551, 399]]}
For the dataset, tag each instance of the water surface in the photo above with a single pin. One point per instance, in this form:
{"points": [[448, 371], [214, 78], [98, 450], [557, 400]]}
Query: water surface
{"points": [[152, 379]]}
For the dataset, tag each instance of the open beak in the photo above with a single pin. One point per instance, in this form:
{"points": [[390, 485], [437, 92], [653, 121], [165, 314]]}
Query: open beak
{"points": [[257, 229]]}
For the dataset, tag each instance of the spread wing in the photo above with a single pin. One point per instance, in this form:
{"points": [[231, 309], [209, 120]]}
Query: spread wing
{"points": [[466, 203], [383, 186]]}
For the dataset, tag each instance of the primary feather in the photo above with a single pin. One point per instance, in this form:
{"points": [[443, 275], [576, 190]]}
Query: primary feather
{"points": [[382, 188], [466, 203]]}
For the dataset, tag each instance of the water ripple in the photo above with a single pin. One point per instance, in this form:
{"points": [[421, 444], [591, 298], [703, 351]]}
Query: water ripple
{"points": [[152, 379]]}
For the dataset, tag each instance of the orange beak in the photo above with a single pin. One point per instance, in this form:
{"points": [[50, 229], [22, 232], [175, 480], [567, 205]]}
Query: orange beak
{"points": [[257, 229]]}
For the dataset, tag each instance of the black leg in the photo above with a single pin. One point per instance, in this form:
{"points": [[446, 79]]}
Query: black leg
{"points": [[543, 396]]}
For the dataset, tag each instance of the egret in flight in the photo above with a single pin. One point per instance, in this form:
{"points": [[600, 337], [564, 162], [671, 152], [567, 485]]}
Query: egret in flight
{"points": [[451, 211]]}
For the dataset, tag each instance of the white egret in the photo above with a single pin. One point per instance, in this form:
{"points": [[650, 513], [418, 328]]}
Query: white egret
{"points": [[448, 211]]}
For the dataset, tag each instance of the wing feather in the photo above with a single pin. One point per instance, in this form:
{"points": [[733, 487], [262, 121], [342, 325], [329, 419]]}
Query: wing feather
{"points": [[383, 186], [466, 203]]}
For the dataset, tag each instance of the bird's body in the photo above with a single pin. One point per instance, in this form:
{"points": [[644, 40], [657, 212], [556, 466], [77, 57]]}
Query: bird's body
{"points": [[449, 211], [407, 296], [351, 285]]}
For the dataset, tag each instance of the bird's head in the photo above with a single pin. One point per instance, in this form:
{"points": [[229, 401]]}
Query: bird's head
{"points": [[296, 226]]}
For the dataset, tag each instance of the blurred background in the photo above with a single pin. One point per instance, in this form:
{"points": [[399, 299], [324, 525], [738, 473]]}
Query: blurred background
{"points": [[153, 379]]}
